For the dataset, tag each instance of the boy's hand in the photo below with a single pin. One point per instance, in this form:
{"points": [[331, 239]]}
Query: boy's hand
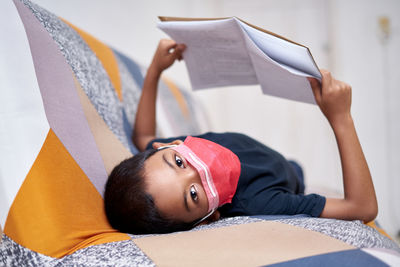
{"points": [[166, 54], [333, 98]]}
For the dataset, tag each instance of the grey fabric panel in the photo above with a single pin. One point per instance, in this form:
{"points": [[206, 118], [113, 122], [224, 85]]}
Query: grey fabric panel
{"points": [[354, 233], [86, 67], [220, 223], [122, 253], [13, 254]]}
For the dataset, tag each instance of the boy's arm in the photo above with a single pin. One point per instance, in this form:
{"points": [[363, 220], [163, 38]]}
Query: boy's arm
{"points": [[359, 202], [145, 121]]}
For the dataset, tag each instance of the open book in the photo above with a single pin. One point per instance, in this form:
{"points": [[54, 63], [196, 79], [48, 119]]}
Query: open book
{"points": [[229, 51]]}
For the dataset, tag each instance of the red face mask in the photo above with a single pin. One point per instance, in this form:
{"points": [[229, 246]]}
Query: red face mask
{"points": [[218, 167]]}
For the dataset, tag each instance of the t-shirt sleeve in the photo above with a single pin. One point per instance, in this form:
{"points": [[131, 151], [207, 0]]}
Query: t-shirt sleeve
{"points": [[285, 203]]}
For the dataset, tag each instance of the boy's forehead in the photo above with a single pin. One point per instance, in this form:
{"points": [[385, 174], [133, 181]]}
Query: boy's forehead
{"points": [[156, 160], [157, 173]]}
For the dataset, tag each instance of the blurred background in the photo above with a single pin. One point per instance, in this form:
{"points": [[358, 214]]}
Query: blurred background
{"points": [[357, 40]]}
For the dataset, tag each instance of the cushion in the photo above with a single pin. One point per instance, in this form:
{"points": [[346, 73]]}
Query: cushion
{"points": [[67, 108]]}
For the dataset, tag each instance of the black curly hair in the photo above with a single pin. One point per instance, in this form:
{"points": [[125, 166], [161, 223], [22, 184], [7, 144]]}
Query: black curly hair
{"points": [[129, 208]]}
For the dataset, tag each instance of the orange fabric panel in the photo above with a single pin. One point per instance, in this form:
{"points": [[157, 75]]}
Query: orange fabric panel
{"points": [[376, 227], [105, 55], [178, 96], [57, 209]]}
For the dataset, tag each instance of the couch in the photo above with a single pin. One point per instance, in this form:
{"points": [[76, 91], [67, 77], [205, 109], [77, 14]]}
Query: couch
{"points": [[67, 109]]}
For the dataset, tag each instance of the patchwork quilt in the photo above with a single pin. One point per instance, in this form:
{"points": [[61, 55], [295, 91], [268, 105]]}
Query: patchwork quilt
{"points": [[67, 108]]}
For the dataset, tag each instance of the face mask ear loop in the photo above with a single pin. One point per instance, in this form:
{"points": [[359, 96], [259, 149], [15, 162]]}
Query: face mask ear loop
{"points": [[202, 219], [164, 147]]}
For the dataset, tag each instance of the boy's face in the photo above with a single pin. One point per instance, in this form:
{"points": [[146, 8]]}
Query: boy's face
{"points": [[175, 185]]}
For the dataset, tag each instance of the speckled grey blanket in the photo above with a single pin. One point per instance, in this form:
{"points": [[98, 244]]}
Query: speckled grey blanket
{"points": [[126, 253]]}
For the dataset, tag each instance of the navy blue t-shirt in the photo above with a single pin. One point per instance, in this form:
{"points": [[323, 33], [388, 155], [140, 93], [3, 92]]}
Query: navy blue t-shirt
{"points": [[268, 183]]}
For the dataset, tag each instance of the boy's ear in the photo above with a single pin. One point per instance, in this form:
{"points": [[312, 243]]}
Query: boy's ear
{"points": [[212, 218], [157, 145]]}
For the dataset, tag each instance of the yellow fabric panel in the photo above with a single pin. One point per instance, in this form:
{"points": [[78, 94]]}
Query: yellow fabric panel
{"points": [[57, 209], [178, 96], [105, 55]]}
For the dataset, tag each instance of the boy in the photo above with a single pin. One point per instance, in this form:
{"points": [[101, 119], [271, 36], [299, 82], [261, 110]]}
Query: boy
{"points": [[174, 184]]}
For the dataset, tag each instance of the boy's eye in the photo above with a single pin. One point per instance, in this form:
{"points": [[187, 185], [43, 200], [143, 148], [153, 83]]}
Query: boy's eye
{"points": [[193, 193], [179, 162]]}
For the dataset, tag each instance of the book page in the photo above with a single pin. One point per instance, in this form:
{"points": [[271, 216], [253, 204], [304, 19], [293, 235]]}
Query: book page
{"points": [[216, 53], [293, 57], [278, 80]]}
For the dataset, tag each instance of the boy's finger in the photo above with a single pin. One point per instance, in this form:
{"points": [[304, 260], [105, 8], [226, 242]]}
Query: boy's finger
{"points": [[175, 46], [169, 43], [181, 47], [316, 88], [314, 83], [177, 53], [326, 79]]}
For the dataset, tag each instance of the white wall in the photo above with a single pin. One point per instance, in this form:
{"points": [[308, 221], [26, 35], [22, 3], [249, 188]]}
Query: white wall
{"points": [[343, 37], [360, 57]]}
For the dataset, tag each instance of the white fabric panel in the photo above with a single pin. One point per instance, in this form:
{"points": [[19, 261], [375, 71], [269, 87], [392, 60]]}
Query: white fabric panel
{"points": [[23, 123], [389, 257]]}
